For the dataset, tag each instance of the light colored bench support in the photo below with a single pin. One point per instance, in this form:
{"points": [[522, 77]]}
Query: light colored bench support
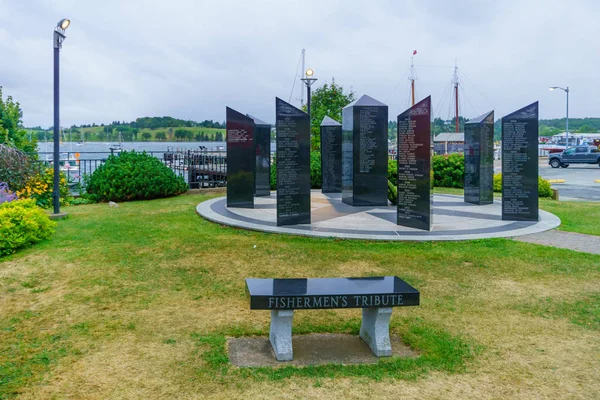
{"points": [[375, 330], [280, 334]]}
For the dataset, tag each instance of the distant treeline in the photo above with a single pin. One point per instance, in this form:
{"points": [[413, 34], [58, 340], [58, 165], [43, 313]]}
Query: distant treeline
{"points": [[547, 127], [142, 129]]}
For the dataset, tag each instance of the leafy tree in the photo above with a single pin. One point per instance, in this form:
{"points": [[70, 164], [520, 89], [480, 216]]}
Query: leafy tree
{"points": [[327, 100], [544, 130], [219, 137], [180, 134], [11, 128], [160, 136], [585, 129], [146, 136]]}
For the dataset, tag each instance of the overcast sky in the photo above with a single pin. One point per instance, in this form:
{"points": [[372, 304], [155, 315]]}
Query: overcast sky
{"points": [[189, 59]]}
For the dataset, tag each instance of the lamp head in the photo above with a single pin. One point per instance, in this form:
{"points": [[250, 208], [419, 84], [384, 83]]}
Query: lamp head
{"points": [[309, 72], [552, 88], [64, 23]]}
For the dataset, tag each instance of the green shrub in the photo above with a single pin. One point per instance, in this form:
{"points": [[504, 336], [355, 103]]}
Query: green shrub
{"points": [[316, 178], [544, 189], [498, 183], [133, 176], [16, 167], [392, 192], [448, 170], [22, 224], [40, 187], [393, 172]]}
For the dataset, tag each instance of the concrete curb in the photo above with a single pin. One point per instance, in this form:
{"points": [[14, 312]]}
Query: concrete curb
{"points": [[471, 228]]}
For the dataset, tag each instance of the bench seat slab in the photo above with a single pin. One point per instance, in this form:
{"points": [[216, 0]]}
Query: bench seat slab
{"points": [[375, 330]]}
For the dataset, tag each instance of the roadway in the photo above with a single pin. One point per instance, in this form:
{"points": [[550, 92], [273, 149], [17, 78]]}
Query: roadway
{"points": [[579, 180]]}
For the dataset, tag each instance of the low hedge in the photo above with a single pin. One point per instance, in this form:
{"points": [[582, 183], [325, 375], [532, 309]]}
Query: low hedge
{"points": [[544, 189], [448, 170], [22, 224], [133, 176]]}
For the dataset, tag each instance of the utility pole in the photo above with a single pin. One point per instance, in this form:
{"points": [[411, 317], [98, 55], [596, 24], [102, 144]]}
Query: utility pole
{"points": [[456, 95]]}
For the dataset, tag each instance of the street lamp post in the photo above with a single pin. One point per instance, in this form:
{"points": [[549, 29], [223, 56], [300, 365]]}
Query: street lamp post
{"points": [[566, 90], [59, 36], [308, 81]]}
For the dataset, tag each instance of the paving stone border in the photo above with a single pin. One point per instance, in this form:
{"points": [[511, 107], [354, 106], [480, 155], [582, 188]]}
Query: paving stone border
{"points": [[453, 219]]}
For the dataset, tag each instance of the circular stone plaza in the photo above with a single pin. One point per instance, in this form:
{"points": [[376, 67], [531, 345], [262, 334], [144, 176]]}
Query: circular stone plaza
{"points": [[453, 219]]}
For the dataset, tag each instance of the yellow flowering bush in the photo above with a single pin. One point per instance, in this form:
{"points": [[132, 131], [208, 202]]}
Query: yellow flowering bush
{"points": [[22, 224], [39, 188]]}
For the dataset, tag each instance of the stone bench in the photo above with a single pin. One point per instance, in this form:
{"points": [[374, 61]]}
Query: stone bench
{"points": [[375, 295]]}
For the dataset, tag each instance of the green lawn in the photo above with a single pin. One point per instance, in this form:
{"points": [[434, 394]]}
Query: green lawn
{"points": [[138, 301]]}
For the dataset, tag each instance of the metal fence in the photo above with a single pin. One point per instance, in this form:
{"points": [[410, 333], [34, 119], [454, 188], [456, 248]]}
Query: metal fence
{"points": [[199, 168]]}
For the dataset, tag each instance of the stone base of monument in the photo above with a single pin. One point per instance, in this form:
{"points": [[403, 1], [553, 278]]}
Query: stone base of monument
{"points": [[312, 349], [374, 331], [453, 219], [280, 334]]}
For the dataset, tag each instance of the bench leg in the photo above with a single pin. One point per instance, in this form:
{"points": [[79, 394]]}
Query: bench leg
{"points": [[280, 334], [375, 330]]}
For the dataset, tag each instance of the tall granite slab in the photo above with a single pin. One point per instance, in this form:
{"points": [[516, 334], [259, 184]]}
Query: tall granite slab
{"points": [[262, 140], [365, 153], [414, 166], [479, 160], [520, 165], [293, 164], [241, 161], [331, 155]]}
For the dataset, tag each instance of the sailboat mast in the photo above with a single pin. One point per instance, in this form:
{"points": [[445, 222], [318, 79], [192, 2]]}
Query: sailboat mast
{"points": [[456, 96], [412, 78], [301, 75]]}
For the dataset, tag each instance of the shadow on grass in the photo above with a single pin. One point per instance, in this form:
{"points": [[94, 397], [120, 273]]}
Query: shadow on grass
{"points": [[439, 351]]}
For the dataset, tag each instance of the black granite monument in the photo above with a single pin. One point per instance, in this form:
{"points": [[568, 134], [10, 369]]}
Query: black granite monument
{"points": [[331, 155], [262, 139], [365, 153], [479, 160], [520, 165], [318, 293], [241, 161], [414, 166], [293, 164]]}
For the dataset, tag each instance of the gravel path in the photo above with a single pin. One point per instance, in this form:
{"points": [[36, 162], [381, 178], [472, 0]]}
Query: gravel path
{"points": [[565, 240]]}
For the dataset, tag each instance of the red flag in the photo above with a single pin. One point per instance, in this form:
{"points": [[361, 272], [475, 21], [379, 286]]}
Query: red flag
{"points": [[414, 52]]}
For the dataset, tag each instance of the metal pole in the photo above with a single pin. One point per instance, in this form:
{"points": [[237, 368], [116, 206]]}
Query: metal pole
{"points": [[567, 146], [308, 99], [56, 190]]}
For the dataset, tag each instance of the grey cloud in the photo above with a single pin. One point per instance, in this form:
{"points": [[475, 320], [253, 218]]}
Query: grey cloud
{"points": [[190, 59]]}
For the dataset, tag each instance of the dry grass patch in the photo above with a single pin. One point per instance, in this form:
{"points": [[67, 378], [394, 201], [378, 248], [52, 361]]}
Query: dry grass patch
{"points": [[134, 301]]}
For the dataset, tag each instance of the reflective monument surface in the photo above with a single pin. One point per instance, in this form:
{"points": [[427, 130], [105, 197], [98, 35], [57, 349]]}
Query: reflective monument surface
{"points": [[293, 164], [365, 153], [479, 159], [331, 155], [262, 139], [520, 165], [241, 161], [414, 166], [315, 293]]}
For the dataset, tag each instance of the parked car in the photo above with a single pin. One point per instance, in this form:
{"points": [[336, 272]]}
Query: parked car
{"points": [[575, 155]]}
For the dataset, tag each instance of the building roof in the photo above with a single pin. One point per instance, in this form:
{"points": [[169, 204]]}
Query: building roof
{"points": [[449, 137]]}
